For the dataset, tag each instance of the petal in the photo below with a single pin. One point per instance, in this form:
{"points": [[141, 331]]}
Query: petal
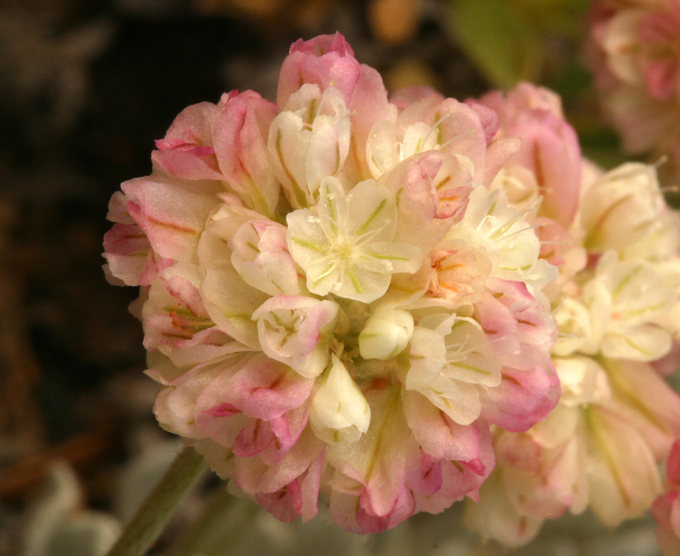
{"points": [[380, 459], [371, 210], [230, 302], [266, 389], [642, 342], [255, 478], [437, 433], [523, 397], [240, 147], [339, 413], [126, 250], [622, 476], [494, 516], [644, 399], [172, 217]]}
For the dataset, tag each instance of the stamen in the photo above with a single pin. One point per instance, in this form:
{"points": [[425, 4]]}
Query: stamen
{"points": [[533, 209], [368, 236], [557, 307], [446, 143], [436, 126], [663, 159], [461, 351], [557, 243], [565, 336], [380, 167], [534, 227]]}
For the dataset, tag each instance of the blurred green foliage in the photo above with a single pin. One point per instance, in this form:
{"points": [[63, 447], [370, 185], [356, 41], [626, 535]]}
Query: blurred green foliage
{"points": [[504, 45], [510, 40], [541, 41]]}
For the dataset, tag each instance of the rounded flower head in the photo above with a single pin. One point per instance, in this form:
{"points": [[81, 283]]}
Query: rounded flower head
{"points": [[615, 303], [635, 55], [341, 298]]}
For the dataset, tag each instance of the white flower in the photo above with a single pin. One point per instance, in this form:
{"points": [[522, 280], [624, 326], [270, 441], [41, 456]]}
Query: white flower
{"points": [[345, 247], [339, 412], [508, 240], [623, 313], [449, 359], [429, 124], [297, 331], [260, 255], [385, 334], [575, 324], [309, 141], [384, 150], [583, 381], [657, 242], [624, 202], [636, 301], [520, 185]]}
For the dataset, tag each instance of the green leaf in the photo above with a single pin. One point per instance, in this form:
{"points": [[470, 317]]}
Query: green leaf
{"points": [[502, 42], [601, 145], [566, 17]]}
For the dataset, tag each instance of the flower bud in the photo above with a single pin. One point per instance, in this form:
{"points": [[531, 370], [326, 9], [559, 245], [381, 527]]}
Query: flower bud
{"points": [[385, 334], [324, 60], [549, 148], [339, 412], [309, 141]]}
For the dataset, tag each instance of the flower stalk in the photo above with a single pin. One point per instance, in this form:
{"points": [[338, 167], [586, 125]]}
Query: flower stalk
{"points": [[161, 504], [224, 522]]}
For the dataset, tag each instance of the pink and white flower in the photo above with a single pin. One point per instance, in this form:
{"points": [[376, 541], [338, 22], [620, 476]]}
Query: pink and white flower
{"points": [[337, 303], [666, 508], [549, 148], [635, 54], [353, 298], [615, 303]]}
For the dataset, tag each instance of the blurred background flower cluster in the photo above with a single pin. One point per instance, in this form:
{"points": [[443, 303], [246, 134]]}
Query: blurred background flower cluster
{"points": [[85, 88]]}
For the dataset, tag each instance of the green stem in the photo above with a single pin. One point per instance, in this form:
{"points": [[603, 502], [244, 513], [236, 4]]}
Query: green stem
{"points": [[224, 522], [161, 504]]}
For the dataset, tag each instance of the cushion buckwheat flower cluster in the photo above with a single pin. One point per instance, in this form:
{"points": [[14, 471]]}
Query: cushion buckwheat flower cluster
{"points": [[635, 55], [351, 297], [616, 307]]}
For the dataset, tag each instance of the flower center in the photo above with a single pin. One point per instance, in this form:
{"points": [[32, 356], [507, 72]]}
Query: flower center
{"points": [[343, 248]]}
